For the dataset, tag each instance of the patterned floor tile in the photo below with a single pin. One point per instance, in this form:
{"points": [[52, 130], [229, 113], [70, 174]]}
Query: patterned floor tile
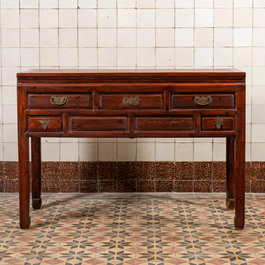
{"points": [[133, 229]]}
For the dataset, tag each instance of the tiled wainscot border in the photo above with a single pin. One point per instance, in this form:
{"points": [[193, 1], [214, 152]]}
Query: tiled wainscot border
{"points": [[134, 177]]}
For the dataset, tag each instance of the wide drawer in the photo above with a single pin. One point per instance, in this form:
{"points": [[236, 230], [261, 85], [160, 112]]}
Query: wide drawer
{"points": [[117, 101], [98, 123], [202, 101], [218, 123], [57, 101], [45, 124], [164, 124]]}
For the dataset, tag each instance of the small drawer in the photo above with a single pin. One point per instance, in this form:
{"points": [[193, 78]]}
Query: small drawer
{"points": [[218, 123], [45, 124], [164, 124], [117, 101], [99, 123], [202, 101], [58, 101]]}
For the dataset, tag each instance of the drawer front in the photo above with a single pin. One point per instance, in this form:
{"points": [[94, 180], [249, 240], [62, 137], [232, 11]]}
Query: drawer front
{"points": [[99, 124], [202, 101], [125, 101], [45, 124], [58, 101], [218, 123], [164, 124]]}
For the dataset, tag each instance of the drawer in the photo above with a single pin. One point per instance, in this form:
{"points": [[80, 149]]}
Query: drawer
{"points": [[45, 123], [164, 124], [117, 101], [57, 101], [202, 101], [218, 123], [99, 123]]}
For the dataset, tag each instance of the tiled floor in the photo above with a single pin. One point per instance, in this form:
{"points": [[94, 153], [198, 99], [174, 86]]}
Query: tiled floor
{"points": [[145, 228]]}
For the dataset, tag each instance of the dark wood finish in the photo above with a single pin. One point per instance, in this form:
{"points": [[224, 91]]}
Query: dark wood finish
{"points": [[219, 101], [35, 125], [208, 123], [164, 124], [230, 173], [36, 172], [239, 161], [90, 76], [77, 101], [99, 123], [115, 101], [131, 103], [23, 157]]}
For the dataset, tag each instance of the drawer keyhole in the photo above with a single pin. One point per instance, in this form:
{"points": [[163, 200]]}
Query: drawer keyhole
{"points": [[45, 124], [219, 122]]}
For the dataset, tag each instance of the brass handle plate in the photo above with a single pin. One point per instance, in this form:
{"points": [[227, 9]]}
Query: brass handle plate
{"points": [[203, 101], [131, 101], [219, 122], [45, 124], [58, 101]]}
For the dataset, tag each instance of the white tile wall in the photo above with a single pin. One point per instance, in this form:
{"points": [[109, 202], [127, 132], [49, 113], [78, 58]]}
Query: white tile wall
{"points": [[126, 151], [88, 151], [184, 152], [50, 151], [164, 152], [133, 34], [107, 151], [145, 151]]}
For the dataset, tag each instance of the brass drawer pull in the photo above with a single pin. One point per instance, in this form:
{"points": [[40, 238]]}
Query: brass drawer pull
{"points": [[131, 101], [203, 101], [58, 101], [45, 124], [219, 122]]}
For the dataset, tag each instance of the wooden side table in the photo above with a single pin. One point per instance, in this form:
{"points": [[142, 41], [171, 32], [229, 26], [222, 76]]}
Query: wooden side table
{"points": [[131, 103]]}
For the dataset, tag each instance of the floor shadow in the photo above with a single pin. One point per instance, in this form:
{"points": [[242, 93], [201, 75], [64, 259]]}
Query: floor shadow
{"points": [[58, 202]]}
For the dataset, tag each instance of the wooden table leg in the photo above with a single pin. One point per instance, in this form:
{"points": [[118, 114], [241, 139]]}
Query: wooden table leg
{"points": [[36, 172], [24, 183], [230, 173], [240, 162], [240, 182]]}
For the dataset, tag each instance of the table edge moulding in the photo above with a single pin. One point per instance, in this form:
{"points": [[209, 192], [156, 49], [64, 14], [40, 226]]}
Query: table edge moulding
{"points": [[131, 103]]}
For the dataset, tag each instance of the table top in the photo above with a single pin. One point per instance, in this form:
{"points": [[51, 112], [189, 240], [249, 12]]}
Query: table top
{"points": [[58, 72], [132, 76]]}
